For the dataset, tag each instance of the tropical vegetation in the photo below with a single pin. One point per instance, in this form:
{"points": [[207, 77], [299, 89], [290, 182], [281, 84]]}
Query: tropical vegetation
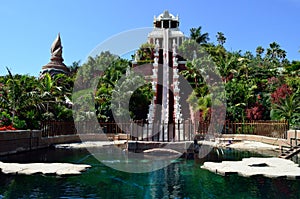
{"points": [[258, 86]]}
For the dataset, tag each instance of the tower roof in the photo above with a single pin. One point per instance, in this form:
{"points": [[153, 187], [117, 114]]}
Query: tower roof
{"points": [[56, 64], [166, 16], [166, 20]]}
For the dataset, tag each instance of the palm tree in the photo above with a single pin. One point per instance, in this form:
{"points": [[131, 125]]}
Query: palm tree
{"points": [[21, 98], [259, 51], [195, 34], [288, 109], [228, 65], [20, 92], [74, 67], [275, 52], [50, 93], [221, 38]]}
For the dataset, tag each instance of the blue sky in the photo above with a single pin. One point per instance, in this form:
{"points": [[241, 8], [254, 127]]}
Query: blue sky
{"points": [[29, 27]]}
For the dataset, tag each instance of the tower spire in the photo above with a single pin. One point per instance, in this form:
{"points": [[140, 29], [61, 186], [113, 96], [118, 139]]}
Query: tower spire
{"points": [[56, 65], [56, 49]]}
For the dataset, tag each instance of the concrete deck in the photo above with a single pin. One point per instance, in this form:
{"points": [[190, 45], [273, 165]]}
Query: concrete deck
{"points": [[43, 168], [268, 167]]}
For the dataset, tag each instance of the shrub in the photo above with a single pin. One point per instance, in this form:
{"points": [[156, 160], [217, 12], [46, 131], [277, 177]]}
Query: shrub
{"points": [[281, 93], [19, 124], [5, 119]]}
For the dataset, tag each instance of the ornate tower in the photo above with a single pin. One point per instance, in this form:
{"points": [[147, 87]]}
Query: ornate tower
{"points": [[169, 22], [165, 108], [56, 65]]}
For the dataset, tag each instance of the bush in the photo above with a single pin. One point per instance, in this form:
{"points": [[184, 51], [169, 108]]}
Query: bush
{"points": [[19, 124], [5, 119]]}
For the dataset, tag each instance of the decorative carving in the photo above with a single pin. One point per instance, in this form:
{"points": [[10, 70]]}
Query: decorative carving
{"points": [[155, 60], [136, 57], [166, 14], [56, 65], [156, 45], [56, 48], [174, 47], [175, 59]]}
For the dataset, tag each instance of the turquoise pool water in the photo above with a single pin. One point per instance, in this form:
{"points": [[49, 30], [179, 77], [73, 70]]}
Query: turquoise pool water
{"points": [[181, 179]]}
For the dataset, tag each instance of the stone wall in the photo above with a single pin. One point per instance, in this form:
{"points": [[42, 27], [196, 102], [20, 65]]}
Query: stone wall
{"points": [[20, 140], [257, 138], [26, 140]]}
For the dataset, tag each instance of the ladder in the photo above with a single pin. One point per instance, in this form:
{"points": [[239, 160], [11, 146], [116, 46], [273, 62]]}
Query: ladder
{"points": [[291, 152]]}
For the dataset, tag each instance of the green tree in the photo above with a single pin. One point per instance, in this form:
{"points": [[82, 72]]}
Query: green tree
{"points": [[275, 53], [198, 36], [18, 97], [293, 68], [202, 104], [259, 51], [221, 38], [74, 67], [288, 109]]}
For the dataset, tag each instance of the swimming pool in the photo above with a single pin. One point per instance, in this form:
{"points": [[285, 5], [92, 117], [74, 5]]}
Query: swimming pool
{"points": [[181, 179]]}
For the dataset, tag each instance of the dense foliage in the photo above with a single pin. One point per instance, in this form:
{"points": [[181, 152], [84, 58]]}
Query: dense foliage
{"points": [[263, 86], [26, 100], [259, 86]]}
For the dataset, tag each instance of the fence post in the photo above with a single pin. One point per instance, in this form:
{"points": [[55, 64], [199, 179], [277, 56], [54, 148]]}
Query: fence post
{"points": [[183, 128], [153, 130], [168, 130], [178, 130], [189, 131], [142, 130], [296, 142], [147, 131], [163, 131], [286, 127], [137, 132]]}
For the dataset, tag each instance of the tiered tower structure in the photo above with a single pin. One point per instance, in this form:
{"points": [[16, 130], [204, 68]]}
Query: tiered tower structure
{"points": [[56, 65], [166, 21], [165, 108]]}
